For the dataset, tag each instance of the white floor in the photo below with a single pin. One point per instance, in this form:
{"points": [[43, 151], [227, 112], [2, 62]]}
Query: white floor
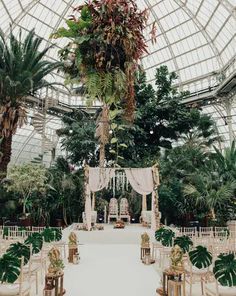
{"points": [[110, 265], [107, 270]]}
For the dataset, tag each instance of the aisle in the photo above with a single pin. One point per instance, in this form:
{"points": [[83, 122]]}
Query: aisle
{"points": [[110, 269]]}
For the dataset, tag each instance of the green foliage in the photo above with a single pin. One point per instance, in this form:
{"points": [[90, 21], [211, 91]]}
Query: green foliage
{"points": [[27, 179], [36, 240], [22, 67], [66, 193], [225, 270], [19, 250], [5, 231], [78, 138], [57, 234], [105, 51], [48, 235], [9, 268], [165, 236], [184, 242], [200, 257]]}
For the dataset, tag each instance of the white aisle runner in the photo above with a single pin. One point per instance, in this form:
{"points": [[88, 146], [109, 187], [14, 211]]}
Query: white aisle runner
{"points": [[110, 269]]}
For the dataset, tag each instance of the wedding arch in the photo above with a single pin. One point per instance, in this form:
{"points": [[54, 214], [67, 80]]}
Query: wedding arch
{"points": [[143, 180]]}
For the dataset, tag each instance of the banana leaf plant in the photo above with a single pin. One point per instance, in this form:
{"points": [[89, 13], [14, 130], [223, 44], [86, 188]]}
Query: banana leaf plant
{"points": [[165, 236], [19, 250], [48, 235], [184, 242], [200, 257], [9, 268], [225, 270], [36, 240]]}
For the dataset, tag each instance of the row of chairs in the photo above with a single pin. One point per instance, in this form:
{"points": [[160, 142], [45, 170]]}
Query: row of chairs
{"points": [[208, 232], [36, 267]]}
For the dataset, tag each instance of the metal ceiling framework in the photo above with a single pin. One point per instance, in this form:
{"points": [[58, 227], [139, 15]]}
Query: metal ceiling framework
{"points": [[195, 38]]}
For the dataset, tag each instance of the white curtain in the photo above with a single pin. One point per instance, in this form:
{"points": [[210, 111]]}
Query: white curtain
{"points": [[141, 180], [99, 178]]}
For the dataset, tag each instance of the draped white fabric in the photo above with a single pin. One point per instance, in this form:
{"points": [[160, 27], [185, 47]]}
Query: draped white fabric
{"points": [[88, 207], [141, 180], [99, 178]]}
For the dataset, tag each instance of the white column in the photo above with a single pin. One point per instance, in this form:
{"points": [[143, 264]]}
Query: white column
{"points": [[93, 202], [144, 202], [153, 223]]}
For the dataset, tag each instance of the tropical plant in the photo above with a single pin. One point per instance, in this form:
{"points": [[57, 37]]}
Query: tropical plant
{"points": [[23, 69], [36, 240], [67, 190], [107, 45], [57, 234], [200, 257], [226, 162], [206, 189], [48, 235], [184, 242], [19, 250], [225, 270], [78, 138], [25, 180], [9, 268], [165, 236]]}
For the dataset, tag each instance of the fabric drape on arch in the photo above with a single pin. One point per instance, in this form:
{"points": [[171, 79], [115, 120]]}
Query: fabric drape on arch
{"points": [[143, 180]]}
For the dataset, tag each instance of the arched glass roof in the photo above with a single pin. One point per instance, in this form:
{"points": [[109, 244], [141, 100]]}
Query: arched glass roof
{"points": [[195, 38]]}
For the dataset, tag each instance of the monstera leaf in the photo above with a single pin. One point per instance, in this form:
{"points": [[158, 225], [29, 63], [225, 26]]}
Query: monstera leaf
{"points": [[159, 234], [200, 257], [9, 268], [48, 235], [19, 250], [36, 240], [184, 242], [165, 236], [225, 270], [57, 234]]}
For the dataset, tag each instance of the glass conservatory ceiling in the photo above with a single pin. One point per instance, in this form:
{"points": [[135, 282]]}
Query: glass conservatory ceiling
{"points": [[195, 38]]}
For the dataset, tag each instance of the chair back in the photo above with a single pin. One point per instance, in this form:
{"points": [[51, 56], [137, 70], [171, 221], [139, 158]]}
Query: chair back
{"points": [[124, 206], [38, 228], [113, 206], [206, 231]]}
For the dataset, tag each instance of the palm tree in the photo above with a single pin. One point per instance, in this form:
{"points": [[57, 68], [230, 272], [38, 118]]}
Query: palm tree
{"points": [[22, 72], [226, 162], [207, 189]]}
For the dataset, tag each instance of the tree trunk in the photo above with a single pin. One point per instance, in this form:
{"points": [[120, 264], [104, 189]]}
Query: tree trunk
{"points": [[5, 148], [102, 155]]}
